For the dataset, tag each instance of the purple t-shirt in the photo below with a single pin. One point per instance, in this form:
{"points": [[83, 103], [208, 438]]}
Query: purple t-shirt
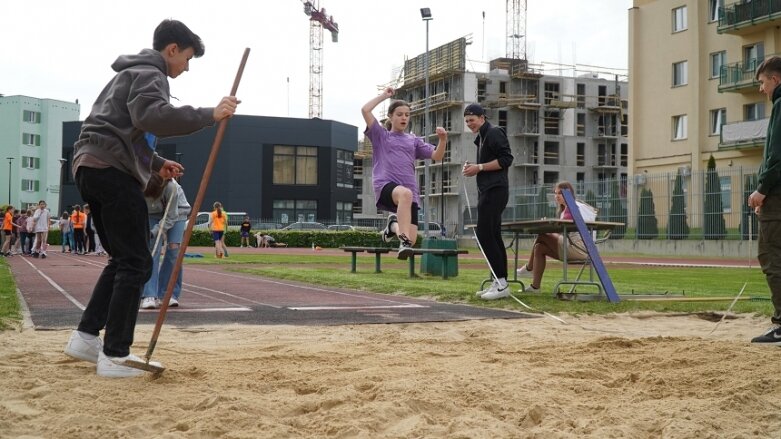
{"points": [[394, 160]]}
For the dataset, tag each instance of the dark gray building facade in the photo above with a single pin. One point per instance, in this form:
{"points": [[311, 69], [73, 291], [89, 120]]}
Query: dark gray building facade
{"points": [[278, 169]]}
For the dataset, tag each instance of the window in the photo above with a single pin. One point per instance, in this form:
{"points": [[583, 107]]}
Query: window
{"points": [[481, 90], [551, 156], [716, 61], [680, 73], [755, 111], [717, 119], [31, 162], [295, 165], [344, 212], [679, 127], [31, 139], [344, 169], [679, 19], [31, 116], [714, 6], [581, 98], [551, 92], [502, 87], [580, 158], [624, 154], [580, 128], [503, 119], [752, 56], [30, 185]]}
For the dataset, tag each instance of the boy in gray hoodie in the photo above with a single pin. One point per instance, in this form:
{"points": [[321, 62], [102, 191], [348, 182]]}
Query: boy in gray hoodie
{"points": [[112, 163]]}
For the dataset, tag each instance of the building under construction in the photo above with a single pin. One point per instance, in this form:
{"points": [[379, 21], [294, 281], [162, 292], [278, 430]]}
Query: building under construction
{"points": [[559, 127]]}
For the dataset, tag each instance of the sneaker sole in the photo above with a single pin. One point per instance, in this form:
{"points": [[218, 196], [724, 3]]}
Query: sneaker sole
{"points": [[404, 254], [80, 355]]}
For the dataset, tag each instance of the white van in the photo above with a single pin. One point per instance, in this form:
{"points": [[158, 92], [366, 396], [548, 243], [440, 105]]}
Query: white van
{"points": [[234, 219]]}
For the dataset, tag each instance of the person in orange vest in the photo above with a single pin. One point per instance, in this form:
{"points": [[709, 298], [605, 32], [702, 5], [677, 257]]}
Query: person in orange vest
{"points": [[217, 222], [8, 227], [79, 220]]}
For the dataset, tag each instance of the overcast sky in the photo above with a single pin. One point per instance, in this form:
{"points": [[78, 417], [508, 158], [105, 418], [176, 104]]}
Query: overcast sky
{"points": [[63, 49]]}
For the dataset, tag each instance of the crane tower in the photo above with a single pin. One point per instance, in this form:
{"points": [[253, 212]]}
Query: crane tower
{"points": [[516, 29], [317, 21]]}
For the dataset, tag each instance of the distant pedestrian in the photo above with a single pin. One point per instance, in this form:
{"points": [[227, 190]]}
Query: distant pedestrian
{"points": [[41, 217], [218, 222], [66, 232], [25, 235], [244, 231], [8, 228], [78, 220], [89, 231]]}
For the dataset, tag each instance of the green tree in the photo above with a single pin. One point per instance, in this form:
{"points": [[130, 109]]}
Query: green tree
{"points": [[677, 225], [714, 225], [647, 224]]}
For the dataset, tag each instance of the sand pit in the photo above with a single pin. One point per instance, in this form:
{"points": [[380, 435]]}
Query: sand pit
{"points": [[644, 375]]}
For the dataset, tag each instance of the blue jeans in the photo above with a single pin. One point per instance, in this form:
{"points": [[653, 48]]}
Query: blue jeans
{"points": [[67, 239], [161, 273], [120, 215]]}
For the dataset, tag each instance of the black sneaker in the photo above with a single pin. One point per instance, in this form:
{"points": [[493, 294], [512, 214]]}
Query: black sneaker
{"points": [[405, 248], [35, 255], [387, 233], [43, 255], [772, 336]]}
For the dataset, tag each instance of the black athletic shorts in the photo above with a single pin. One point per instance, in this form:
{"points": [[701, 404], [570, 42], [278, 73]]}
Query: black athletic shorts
{"points": [[386, 198]]}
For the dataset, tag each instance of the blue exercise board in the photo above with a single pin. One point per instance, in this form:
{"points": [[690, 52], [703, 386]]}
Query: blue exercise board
{"points": [[591, 248]]}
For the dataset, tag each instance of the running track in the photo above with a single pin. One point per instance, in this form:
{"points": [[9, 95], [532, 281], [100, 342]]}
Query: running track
{"points": [[56, 289]]}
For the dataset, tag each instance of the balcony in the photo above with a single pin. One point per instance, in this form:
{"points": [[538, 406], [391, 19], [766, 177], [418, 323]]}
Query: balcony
{"points": [[606, 104], [743, 134], [739, 77], [749, 16], [436, 102]]}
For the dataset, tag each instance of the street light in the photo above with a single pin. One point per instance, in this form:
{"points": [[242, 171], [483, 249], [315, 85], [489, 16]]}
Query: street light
{"points": [[425, 14], [10, 159]]}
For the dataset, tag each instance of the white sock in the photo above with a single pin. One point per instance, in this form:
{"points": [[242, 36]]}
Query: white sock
{"points": [[501, 283]]}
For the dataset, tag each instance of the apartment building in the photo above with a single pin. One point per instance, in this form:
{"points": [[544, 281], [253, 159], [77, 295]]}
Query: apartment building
{"points": [[693, 92], [559, 128], [31, 146]]}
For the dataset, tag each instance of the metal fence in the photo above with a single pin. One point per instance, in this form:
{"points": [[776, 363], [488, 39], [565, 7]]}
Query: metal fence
{"points": [[681, 205]]}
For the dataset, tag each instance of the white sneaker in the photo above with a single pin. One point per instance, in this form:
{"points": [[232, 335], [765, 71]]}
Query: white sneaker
{"points": [[149, 303], [405, 250], [530, 289], [113, 367], [524, 272], [495, 292], [84, 346], [387, 233], [173, 302], [481, 292]]}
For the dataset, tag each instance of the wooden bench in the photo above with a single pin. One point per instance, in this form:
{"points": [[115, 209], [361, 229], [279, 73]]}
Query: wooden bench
{"points": [[445, 254]]}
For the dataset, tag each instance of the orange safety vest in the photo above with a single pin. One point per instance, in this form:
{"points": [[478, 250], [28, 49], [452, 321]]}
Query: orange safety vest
{"points": [[79, 220]]}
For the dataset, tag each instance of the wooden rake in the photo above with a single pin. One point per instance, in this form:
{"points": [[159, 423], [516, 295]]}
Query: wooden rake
{"points": [[146, 365]]}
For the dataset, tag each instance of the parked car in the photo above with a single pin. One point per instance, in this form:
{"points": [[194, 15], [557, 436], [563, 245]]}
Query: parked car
{"points": [[305, 226], [340, 227], [434, 230], [259, 225]]}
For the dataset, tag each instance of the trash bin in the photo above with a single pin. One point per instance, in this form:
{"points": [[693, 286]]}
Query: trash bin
{"points": [[432, 264]]}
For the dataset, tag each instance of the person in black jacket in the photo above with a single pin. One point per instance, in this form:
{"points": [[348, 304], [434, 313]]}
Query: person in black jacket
{"points": [[493, 192]]}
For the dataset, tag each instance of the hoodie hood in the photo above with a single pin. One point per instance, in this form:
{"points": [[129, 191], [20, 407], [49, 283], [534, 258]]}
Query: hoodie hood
{"points": [[146, 57]]}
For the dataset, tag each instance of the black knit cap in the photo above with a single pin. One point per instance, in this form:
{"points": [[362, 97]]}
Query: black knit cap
{"points": [[474, 110]]}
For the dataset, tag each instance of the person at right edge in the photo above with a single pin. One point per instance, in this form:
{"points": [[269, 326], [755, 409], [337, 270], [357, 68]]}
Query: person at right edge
{"points": [[493, 191], [766, 199], [112, 163]]}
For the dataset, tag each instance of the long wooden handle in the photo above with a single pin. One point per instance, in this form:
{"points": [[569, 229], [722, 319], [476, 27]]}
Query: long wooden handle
{"points": [[207, 173]]}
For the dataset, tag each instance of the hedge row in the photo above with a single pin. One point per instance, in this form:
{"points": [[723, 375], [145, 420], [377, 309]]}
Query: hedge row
{"points": [[293, 238]]}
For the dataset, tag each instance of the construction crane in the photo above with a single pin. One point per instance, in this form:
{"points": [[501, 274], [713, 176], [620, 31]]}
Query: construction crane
{"points": [[317, 21], [516, 29]]}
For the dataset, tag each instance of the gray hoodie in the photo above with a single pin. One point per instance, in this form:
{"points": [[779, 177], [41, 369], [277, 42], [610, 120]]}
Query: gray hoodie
{"points": [[131, 111]]}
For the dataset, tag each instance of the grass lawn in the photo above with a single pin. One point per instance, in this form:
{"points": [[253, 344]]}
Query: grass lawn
{"points": [[9, 303], [334, 271]]}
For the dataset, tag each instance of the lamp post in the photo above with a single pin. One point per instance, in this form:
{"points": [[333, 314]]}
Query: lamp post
{"points": [[425, 14], [63, 161], [10, 159]]}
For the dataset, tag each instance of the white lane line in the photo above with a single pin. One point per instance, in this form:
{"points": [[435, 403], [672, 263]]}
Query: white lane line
{"points": [[329, 308], [56, 286], [299, 286], [254, 302], [178, 310]]}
